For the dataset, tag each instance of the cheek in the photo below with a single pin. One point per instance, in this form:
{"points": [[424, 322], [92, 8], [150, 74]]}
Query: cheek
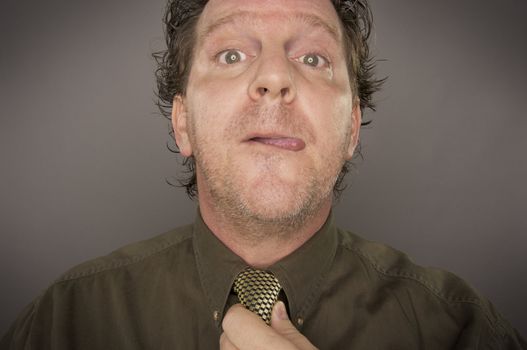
{"points": [[330, 114], [215, 86], [341, 113], [215, 101]]}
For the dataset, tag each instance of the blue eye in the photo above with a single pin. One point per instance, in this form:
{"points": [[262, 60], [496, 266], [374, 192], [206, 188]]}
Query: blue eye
{"points": [[231, 56], [313, 60]]}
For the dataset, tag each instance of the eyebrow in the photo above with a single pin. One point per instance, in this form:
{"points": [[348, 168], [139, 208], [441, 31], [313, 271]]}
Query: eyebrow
{"points": [[246, 16]]}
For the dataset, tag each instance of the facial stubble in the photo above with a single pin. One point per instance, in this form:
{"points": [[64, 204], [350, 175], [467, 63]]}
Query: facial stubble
{"points": [[270, 206]]}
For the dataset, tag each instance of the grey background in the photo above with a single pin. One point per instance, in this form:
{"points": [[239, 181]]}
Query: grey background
{"points": [[84, 159]]}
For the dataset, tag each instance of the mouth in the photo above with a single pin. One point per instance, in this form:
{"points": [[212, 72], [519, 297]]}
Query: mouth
{"points": [[282, 142]]}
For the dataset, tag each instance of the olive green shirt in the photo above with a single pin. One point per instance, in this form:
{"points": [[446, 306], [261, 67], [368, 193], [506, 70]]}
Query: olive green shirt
{"points": [[342, 292]]}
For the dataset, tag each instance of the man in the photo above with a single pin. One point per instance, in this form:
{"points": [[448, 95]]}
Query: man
{"points": [[266, 99]]}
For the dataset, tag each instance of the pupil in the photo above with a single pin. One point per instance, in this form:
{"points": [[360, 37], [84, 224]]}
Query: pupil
{"points": [[233, 57], [312, 60]]}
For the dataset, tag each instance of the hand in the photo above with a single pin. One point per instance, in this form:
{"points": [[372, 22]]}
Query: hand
{"points": [[244, 330]]}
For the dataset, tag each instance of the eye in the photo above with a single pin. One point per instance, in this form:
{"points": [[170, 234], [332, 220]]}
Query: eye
{"points": [[231, 56], [313, 60]]}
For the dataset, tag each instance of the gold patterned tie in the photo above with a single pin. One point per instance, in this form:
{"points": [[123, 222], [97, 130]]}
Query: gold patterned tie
{"points": [[258, 291]]}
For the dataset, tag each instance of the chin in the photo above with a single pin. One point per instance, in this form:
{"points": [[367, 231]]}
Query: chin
{"points": [[278, 202]]}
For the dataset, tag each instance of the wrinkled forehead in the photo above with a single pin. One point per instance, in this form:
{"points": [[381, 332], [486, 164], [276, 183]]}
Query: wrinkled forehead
{"points": [[261, 13]]}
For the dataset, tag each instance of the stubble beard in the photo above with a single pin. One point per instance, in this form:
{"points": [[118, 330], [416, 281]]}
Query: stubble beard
{"points": [[271, 207]]}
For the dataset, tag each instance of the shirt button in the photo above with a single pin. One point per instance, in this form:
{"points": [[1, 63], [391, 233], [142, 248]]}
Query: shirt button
{"points": [[300, 321], [216, 315]]}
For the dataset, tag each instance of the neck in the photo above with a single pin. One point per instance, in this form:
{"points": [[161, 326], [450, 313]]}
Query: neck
{"points": [[261, 244]]}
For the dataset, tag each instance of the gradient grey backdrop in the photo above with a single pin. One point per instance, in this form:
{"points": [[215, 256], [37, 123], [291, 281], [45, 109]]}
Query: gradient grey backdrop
{"points": [[84, 160]]}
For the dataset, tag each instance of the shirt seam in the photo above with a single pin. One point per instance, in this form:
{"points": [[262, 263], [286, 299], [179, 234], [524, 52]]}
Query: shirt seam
{"points": [[122, 262], [34, 309], [496, 327]]}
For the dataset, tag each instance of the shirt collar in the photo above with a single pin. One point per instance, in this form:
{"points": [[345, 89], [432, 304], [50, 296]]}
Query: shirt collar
{"points": [[301, 273], [217, 266]]}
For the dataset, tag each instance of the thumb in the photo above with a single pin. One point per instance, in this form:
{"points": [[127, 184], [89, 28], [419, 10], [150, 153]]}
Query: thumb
{"points": [[280, 322]]}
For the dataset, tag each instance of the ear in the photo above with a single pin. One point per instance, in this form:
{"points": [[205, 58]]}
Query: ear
{"points": [[356, 119], [179, 124]]}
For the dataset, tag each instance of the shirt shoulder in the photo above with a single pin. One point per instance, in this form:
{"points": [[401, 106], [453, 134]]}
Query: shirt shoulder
{"points": [[132, 253], [432, 289], [99, 292], [392, 263]]}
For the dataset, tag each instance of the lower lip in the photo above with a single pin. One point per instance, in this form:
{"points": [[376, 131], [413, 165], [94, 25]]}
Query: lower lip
{"points": [[286, 143]]}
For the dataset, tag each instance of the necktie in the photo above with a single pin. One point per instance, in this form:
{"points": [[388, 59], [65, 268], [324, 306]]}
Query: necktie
{"points": [[258, 291]]}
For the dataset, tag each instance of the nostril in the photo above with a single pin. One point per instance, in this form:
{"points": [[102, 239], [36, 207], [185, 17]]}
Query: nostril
{"points": [[263, 91]]}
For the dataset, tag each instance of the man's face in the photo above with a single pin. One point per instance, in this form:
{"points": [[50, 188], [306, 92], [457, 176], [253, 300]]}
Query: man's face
{"points": [[269, 113]]}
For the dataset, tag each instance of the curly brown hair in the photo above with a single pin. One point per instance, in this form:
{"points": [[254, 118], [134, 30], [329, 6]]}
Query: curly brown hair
{"points": [[174, 64]]}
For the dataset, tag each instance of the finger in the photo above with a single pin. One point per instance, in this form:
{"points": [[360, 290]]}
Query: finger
{"points": [[247, 330], [281, 323], [225, 343]]}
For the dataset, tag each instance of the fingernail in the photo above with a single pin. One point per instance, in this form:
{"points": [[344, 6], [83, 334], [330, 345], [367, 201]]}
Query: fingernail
{"points": [[281, 311]]}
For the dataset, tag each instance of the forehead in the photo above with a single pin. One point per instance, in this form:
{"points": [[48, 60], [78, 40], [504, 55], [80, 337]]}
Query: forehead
{"points": [[320, 13]]}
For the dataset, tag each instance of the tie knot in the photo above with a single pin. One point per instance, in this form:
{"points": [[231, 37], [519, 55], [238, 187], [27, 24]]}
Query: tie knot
{"points": [[258, 291]]}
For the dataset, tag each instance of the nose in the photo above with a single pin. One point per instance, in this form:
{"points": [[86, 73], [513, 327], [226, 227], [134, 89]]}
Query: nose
{"points": [[273, 79]]}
